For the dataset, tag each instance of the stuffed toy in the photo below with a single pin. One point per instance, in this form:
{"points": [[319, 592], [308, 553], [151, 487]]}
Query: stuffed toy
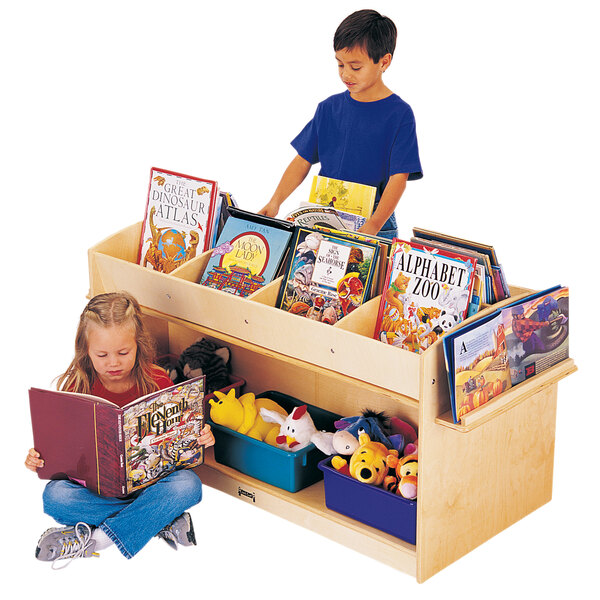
{"points": [[204, 357], [297, 430], [391, 432], [404, 482], [368, 463], [243, 415]]}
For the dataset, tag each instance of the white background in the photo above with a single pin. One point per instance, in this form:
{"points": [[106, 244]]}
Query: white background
{"points": [[95, 93]]}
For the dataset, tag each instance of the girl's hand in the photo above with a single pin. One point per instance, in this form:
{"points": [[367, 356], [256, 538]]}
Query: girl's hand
{"points": [[33, 461], [207, 439]]}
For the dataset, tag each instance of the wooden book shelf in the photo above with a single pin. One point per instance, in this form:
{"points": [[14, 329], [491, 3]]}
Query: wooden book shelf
{"points": [[475, 478]]}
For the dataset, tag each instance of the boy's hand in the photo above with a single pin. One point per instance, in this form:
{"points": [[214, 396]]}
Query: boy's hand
{"points": [[207, 439], [270, 210], [369, 228], [33, 461]]}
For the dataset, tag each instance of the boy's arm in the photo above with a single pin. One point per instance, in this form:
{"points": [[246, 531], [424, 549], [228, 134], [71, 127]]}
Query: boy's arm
{"points": [[387, 204], [292, 177]]}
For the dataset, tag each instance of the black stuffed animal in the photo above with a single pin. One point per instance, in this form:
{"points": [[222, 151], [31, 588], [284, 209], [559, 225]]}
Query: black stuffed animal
{"points": [[204, 357]]}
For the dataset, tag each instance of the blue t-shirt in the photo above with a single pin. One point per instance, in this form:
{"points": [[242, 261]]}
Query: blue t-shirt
{"points": [[363, 142]]}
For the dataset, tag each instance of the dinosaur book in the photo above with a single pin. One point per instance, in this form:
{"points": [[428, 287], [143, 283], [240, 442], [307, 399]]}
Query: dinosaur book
{"points": [[180, 215], [248, 253], [426, 293], [115, 451], [327, 275]]}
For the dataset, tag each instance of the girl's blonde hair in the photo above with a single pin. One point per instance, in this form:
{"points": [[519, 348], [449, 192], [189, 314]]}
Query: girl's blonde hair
{"points": [[107, 310]]}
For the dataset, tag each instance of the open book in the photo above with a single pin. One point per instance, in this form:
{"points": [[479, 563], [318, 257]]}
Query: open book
{"points": [[115, 451]]}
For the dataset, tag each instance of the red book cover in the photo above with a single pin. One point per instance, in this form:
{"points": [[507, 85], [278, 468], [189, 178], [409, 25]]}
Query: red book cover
{"points": [[114, 451], [178, 221]]}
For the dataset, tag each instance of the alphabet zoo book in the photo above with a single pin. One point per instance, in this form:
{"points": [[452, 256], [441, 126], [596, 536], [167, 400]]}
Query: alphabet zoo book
{"points": [[114, 451], [248, 253], [427, 292], [180, 214]]}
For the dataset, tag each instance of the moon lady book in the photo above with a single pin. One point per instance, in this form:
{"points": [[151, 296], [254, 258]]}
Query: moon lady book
{"points": [[115, 451], [248, 253]]}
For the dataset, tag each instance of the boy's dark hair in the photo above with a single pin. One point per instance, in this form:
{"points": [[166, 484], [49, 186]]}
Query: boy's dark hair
{"points": [[369, 30]]}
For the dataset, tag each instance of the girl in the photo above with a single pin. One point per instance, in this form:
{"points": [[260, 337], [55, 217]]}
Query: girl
{"points": [[114, 360]]}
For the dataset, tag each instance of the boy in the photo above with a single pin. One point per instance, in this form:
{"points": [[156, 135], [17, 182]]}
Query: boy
{"points": [[366, 134]]}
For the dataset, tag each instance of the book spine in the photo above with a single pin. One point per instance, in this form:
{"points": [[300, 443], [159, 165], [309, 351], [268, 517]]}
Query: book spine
{"points": [[110, 457]]}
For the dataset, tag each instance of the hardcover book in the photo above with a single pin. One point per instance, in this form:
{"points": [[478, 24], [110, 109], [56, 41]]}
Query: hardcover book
{"points": [[326, 216], [477, 364], [178, 221], [502, 349], [426, 293], [248, 253], [115, 451], [327, 275], [537, 333], [347, 196], [497, 282]]}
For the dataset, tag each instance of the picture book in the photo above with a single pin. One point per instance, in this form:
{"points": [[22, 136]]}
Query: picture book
{"points": [[327, 275], [477, 364], [248, 253], [384, 244], [178, 221], [115, 451], [504, 348], [221, 213], [350, 197], [426, 293], [537, 333], [311, 216], [497, 282]]}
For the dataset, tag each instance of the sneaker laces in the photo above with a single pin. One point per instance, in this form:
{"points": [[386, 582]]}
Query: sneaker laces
{"points": [[75, 547]]}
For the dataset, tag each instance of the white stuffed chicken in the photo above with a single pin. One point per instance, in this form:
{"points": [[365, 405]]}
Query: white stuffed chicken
{"points": [[298, 430]]}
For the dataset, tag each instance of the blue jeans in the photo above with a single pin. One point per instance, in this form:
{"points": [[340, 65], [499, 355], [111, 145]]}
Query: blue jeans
{"points": [[389, 229], [129, 522]]}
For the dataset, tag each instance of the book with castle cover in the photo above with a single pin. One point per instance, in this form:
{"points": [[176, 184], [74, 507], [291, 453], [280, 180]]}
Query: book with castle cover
{"points": [[504, 348], [327, 275], [426, 293], [248, 253], [347, 196], [477, 364], [115, 451], [178, 221]]}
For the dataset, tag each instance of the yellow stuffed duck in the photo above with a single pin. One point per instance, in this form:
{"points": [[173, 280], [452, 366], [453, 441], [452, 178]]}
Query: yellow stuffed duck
{"points": [[243, 415]]}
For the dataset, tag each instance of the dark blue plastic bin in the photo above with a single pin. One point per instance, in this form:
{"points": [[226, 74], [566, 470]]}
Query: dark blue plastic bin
{"points": [[369, 504], [289, 471]]}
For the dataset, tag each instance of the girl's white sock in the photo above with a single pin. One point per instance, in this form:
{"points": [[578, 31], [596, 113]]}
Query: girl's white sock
{"points": [[101, 539]]}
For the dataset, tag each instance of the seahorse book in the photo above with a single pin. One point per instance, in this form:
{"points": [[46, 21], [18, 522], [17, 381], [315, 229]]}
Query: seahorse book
{"points": [[426, 293], [180, 216], [327, 276], [115, 451], [248, 253], [346, 196]]}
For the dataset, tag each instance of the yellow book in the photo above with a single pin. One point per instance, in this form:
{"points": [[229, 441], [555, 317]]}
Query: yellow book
{"points": [[354, 198]]}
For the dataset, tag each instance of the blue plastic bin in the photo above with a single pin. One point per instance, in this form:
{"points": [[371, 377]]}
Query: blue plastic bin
{"points": [[289, 471], [369, 504]]}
